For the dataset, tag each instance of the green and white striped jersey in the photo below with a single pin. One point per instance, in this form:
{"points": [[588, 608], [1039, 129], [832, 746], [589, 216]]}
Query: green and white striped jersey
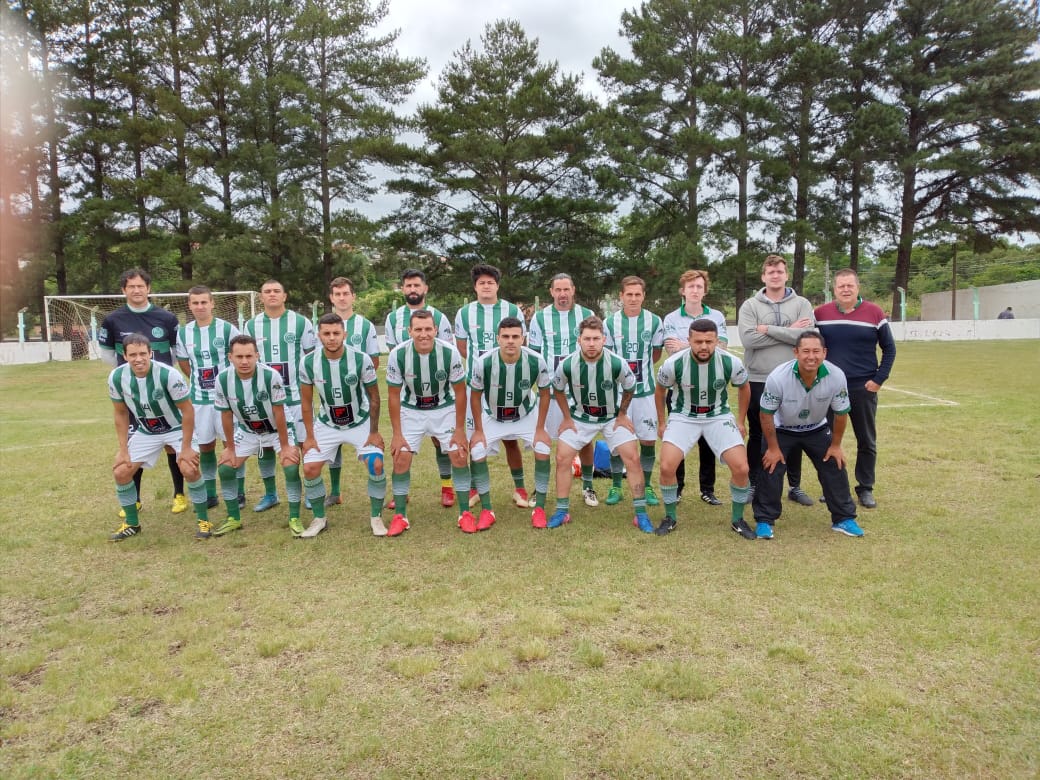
{"points": [[477, 324], [594, 389], [282, 344], [153, 398], [555, 333], [206, 351], [426, 380], [340, 385], [635, 339], [510, 389], [251, 400], [397, 322], [699, 389], [361, 335]]}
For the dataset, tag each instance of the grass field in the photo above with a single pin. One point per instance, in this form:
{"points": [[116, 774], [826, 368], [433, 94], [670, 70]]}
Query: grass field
{"points": [[591, 651]]}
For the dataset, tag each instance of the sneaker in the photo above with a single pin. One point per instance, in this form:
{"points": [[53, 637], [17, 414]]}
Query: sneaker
{"points": [[398, 525], [642, 522], [125, 532], [666, 527], [229, 525], [331, 500], [591, 499], [559, 517], [521, 499], [613, 496], [486, 519], [180, 504], [743, 529], [447, 497], [651, 497], [378, 529], [296, 527], [241, 500], [467, 522], [763, 531], [269, 501], [849, 527], [212, 502], [122, 512], [318, 524], [800, 496], [708, 497], [867, 500], [205, 530], [538, 518], [474, 497]]}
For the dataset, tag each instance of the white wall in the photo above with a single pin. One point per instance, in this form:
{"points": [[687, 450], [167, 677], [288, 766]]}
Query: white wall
{"points": [[1022, 297]]}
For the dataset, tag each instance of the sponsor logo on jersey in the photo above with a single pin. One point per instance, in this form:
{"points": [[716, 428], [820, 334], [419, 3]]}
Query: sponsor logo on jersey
{"points": [[804, 414]]}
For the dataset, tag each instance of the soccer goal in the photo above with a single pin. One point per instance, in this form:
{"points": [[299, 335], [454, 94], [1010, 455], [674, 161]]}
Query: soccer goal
{"points": [[73, 320]]}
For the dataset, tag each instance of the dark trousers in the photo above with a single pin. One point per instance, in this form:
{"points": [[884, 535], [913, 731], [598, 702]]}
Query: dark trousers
{"points": [[767, 503], [755, 443], [706, 472]]}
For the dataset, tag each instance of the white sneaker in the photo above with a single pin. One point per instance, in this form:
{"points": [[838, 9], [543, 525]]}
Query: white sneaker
{"points": [[316, 527], [590, 497], [378, 529]]}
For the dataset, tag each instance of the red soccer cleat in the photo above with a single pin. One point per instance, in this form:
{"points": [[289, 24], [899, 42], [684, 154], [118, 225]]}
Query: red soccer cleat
{"points": [[487, 519], [447, 497], [398, 525], [576, 466], [521, 499], [474, 497], [538, 518], [467, 522]]}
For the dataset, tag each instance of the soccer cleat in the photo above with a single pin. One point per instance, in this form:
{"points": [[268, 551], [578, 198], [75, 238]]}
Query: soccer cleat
{"points": [[559, 517], [122, 512], [576, 466], [229, 525], [474, 497], [180, 504], [591, 499], [538, 518], [467, 522], [763, 531], [318, 524], [651, 497], [642, 522], [867, 500], [241, 500], [447, 497], [392, 504], [849, 527], [709, 497], [125, 532], [378, 529], [296, 527], [666, 527], [798, 495], [743, 529], [613, 496], [212, 502], [205, 530], [521, 499], [486, 519], [332, 500], [398, 525], [269, 501]]}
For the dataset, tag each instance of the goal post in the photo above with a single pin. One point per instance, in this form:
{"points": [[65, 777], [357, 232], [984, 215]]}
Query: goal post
{"points": [[73, 321]]}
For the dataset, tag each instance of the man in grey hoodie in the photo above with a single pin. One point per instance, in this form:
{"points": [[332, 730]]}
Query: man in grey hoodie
{"points": [[769, 324]]}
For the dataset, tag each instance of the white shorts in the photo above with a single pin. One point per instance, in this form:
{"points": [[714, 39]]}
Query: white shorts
{"points": [[553, 418], [515, 430], [586, 432], [720, 432], [643, 413], [437, 423], [294, 421], [145, 448], [208, 427], [248, 443], [329, 439]]}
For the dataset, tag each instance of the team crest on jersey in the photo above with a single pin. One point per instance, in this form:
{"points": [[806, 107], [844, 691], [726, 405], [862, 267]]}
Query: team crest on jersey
{"points": [[290, 338], [262, 396], [157, 331], [218, 343], [645, 336], [352, 379], [607, 384], [157, 394], [355, 339], [719, 384], [804, 414], [843, 395], [441, 375], [525, 385]]}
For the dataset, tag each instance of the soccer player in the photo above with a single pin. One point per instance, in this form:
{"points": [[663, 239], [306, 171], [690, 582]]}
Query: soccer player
{"points": [[476, 326], [693, 286], [139, 315], [855, 329], [426, 389], [360, 335], [344, 381], [396, 330], [797, 397], [283, 337], [202, 354], [509, 402], [160, 401], [637, 335], [251, 399], [699, 410], [594, 388], [554, 334]]}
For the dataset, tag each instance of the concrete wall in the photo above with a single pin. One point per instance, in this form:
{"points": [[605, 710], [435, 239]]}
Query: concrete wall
{"points": [[12, 353], [1022, 297], [961, 330]]}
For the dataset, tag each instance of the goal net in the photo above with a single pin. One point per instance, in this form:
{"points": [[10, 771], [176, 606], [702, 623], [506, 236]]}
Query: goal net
{"points": [[73, 320]]}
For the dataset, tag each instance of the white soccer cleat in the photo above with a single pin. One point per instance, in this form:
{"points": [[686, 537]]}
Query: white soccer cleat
{"points": [[316, 527], [378, 529]]}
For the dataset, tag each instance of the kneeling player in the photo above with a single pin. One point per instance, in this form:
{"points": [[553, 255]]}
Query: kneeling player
{"points": [[345, 381], [698, 377]]}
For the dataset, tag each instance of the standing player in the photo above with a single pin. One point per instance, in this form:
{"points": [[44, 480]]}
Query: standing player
{"points": [[159, 399], [593, 392], [251, 400], [509, 402], [426, 391], [139, 315], [283, 337], [699, 404], [637, 335], [554, 334], [202, 354], [855, 329], [344, 380]]}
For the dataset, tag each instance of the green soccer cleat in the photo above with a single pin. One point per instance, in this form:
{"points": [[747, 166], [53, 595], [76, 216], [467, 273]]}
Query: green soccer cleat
{"points": [[296, 527], [229, 525], [125, 532], [651, 497], [613, 496]]}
